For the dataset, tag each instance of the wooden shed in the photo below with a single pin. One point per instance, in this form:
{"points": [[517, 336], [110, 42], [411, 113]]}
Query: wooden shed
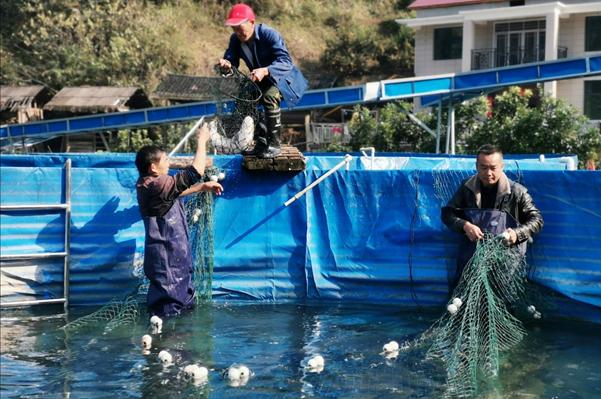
{"points": [[21, 104], [85, 100], [93, 99]]}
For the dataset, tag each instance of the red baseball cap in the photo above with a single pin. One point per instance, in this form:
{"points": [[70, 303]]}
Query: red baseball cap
{"points": [[239, 14]]}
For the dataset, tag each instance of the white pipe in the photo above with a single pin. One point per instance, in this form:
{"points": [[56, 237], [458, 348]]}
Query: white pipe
{"points": [[569, 161], [187, 136], [346, 160], [372, 154]]}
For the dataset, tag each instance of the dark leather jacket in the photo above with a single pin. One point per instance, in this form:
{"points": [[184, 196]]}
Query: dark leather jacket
{"points": [[512, 198]]}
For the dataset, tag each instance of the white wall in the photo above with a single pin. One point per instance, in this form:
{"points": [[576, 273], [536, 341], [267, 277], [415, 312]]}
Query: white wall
{"points": [[572, 36], [425, 64]]}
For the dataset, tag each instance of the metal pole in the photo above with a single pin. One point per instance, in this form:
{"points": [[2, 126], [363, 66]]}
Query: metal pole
{"points": [[346, 160], [67, 263], [438, 123], [187, 136], [448, 138], [452, 125]]}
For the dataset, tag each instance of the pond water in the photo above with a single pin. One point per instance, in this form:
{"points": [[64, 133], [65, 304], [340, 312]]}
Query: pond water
{"points": [[558, 359]]}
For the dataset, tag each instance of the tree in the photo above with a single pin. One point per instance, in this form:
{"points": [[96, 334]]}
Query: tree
{"points": [[521, 123], [110, 42]]}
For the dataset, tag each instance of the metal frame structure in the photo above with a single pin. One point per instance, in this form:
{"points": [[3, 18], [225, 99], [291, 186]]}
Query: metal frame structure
{"points": [[65, 254], [433, 90]]}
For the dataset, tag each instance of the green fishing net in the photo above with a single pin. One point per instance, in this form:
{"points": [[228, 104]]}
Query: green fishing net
{"points": [[115, 314], [199, 211], [479, 327]]}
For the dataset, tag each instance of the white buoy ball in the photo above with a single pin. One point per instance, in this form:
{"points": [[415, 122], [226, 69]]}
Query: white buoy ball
{"points": [[157, 323], [165, 358], [452, 309], [537, 315], [214, 178], [196, 374], [233, 373], [196, 215], [146, 342], [531, 309], [221, 176], [457, 302], [316, 362], [244, 372], [391, 346]]}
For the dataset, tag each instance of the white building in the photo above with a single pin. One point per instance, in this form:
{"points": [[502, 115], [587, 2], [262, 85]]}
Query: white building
{"points": [[463, 35]]}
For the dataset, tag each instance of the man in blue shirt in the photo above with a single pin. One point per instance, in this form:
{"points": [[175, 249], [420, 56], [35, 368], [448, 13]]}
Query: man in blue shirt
{"points": [[264, 52]]}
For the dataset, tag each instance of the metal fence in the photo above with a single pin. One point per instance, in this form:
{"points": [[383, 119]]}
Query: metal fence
{"points": [[495, 58]]}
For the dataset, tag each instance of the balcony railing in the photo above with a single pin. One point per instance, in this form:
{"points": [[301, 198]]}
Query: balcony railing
{"points": [[495, 58]]}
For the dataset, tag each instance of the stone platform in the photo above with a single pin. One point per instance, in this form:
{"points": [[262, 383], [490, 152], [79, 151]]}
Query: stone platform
{"points": [[289, 160]]}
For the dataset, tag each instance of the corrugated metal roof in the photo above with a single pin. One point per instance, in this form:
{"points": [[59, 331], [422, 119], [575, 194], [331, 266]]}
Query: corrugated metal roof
{"points": [[194, 88], [98, 99], [417, 4], [12, 97]]}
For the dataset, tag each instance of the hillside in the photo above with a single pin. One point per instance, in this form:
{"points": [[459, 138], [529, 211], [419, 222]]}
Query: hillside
{"points": [[118, 42]]}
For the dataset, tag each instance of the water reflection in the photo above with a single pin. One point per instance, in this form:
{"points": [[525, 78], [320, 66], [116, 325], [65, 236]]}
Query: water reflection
{"points": [[275, 342]]}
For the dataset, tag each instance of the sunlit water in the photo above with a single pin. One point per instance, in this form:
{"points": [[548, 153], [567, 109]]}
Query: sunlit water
{"points": [[39, 360]]}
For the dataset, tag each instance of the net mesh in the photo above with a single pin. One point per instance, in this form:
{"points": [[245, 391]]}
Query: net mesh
{"points": [[118, 312], [471, 341], [471, 337], [199, 211], [237, 113]]}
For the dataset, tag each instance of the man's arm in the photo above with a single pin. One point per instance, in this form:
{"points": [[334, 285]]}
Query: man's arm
{"points": [[206, 186], [200, 158], [530, 218], [283, 62], [231, 57], [450, 217]]}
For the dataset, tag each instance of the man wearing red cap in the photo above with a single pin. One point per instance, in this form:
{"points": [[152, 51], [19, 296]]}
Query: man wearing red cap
{"points": [[264, 52]]}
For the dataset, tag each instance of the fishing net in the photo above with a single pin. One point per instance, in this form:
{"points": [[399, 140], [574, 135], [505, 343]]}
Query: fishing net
{"points": [[199, 211], [115, 314], [237, 113], [479, 326], [447, 181]]}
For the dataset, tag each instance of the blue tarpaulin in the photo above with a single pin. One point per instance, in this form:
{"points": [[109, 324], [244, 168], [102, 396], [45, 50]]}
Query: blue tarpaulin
{"points": [[371, 233]]}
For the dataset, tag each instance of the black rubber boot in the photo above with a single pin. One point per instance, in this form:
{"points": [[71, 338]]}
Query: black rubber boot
{"points": [[260, 142], [274, 128]]}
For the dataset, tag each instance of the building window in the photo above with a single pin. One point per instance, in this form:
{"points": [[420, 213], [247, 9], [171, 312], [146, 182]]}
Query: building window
{"points": [[514, 3], [592, 99], [448, 43], [592, 41]]}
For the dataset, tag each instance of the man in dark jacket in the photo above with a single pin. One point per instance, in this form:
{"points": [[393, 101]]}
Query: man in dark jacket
{"points": [[167, 257], [264, 52], [489, 202]]}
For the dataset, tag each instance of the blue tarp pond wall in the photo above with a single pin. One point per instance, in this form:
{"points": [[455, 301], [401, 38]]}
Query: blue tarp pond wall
{"points": [[371, 233]]}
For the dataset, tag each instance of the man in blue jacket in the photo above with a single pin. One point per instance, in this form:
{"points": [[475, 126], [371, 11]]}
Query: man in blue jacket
{"points": [[264, 52]]}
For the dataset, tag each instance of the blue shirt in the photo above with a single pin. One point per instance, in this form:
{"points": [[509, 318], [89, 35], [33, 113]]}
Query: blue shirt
{"points": [[267, 49]]}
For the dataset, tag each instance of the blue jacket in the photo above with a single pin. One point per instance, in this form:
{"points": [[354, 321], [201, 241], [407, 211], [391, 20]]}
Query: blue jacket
{"points": [[273, 54]]}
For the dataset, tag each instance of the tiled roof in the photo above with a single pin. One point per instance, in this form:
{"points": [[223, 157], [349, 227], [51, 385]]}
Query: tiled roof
{"points": [[12, 97], [98, 99], [417, 4]]}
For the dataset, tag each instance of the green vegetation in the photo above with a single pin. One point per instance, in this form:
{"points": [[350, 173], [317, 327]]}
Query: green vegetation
{"points": [[118, 42], [520, 122]]}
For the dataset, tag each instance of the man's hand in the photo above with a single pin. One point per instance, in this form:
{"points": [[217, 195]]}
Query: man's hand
{"points": [[512, 237], [224, 65], [472, 231], [259, 74], [203, 134], [212, 186]]}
